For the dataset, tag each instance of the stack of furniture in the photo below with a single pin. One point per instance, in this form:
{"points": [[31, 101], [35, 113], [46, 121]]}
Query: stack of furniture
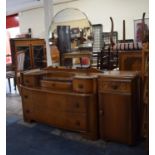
{"points": [[95, 104]]}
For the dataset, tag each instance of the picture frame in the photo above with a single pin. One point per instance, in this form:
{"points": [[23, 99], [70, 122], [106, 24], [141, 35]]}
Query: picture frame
{"points": [[138, 29]]}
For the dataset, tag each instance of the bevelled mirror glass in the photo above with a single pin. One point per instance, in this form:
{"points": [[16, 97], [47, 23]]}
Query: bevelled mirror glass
{"points": [[79, 27]]}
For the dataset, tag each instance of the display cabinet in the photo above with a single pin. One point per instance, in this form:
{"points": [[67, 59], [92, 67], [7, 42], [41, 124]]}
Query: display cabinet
{"points": [[35, 52]]}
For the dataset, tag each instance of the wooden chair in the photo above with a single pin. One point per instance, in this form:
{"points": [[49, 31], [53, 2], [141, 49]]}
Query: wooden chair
{"points": [[15, 73]]}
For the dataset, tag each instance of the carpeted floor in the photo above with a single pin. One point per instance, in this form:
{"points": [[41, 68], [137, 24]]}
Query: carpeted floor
{"points": [[38, 139]]}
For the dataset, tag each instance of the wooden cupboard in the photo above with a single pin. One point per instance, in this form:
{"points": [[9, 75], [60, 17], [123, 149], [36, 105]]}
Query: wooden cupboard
{"points": [[130, 60], [119, 106]]}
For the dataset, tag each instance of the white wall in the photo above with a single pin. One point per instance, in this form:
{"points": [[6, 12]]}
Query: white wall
{"points": [[99, 11], [33, 19]]}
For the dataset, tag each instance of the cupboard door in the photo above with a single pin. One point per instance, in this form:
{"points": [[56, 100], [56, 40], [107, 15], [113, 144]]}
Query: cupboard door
{"points": [[38, 56], [27, 61], [115, 117]]}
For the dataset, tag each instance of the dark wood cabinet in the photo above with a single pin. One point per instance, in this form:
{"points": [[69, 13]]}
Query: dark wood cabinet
{"points": [[130, 60], [119, 106], [35, 52]]}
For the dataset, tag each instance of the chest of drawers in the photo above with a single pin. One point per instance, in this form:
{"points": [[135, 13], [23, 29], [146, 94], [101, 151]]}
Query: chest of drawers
{"points": [[51, 99]]}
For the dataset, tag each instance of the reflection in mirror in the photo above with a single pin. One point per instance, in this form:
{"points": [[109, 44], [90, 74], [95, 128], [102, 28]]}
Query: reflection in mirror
{"points": [[69, 31]]}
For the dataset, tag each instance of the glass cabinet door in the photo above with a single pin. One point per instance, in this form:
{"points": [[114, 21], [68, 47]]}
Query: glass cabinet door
{"points": [[27, 62], [38, 56]]}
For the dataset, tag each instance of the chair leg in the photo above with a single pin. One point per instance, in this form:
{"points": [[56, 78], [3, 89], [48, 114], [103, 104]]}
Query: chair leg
{"points": [[9, 84], [14, 83]]}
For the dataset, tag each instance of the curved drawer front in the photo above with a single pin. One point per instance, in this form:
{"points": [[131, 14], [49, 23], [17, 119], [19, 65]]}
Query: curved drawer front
{"points": [[30, 81], [76, 121], [55, 85], [114, 86], [84, 85], [76, 104]]}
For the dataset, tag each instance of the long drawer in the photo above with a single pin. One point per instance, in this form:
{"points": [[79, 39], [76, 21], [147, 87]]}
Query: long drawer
{"points": [[76, 121], [31, 81], [76, 104], [56, 85], [114, 86]]}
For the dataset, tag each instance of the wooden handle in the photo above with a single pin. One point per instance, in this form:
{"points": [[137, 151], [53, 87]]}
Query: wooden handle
{"points": [[78, 123], [27, 81], [114, 87], [77, 105], [80, 86], [25, 96]]}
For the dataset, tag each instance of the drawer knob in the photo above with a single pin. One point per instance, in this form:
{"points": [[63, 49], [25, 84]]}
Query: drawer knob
{"points": [[77, 105], [27, 81], [53, 84], [25, 96], [78, 123], [27, 111], [114, 87], [80, 86]]}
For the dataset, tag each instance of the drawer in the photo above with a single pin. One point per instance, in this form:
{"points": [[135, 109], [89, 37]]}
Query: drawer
{"points": [[27, 96], [84, 85], [114, 86], [76, 104], [27, 103], [55, 85], [30, 81], [76, 121]]}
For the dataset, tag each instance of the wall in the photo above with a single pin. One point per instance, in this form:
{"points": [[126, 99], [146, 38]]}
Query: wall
{"points": [[99, 11], [33, 19]]}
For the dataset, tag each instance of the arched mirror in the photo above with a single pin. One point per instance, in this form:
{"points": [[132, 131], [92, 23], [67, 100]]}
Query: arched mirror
{"points": [[69, 31]]}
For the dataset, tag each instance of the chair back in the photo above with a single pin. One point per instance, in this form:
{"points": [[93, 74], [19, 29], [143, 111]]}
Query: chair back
{"points": [[20, 61]]}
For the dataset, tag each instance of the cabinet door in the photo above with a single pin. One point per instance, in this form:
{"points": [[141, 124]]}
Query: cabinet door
{"points": [[38, 56], [115, 117], [27, 62]]}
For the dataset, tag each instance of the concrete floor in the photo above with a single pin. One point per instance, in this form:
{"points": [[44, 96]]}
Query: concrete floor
{"points": [[13, 101]]}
